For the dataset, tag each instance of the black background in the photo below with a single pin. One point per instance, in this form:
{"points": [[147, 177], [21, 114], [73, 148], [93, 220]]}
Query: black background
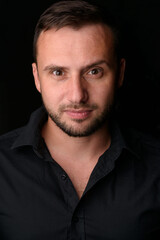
{"points": [[139, 104]]}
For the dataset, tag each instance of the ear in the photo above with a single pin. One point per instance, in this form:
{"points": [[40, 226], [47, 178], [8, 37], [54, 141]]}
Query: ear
{"points": [[121, 72], [36, 76]]}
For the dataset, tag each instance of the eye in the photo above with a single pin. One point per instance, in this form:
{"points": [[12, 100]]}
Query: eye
{"points": [[95, 73], [57, 72]]}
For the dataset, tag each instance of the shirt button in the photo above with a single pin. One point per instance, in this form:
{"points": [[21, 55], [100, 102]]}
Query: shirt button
{"points": [[63, 177]]}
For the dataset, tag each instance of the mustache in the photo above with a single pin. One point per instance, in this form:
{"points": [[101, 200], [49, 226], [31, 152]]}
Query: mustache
{"points": [[78, 106]]}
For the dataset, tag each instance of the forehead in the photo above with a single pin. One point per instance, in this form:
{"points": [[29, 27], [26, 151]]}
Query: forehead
{"points": [[86, 42], [94, 32]]}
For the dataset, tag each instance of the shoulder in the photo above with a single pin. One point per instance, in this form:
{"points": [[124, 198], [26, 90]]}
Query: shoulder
{"points": [[8, 139], [145, 144]]}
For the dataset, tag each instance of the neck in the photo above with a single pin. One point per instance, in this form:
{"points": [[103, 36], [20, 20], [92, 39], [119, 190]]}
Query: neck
{"points": [[59, 143]]}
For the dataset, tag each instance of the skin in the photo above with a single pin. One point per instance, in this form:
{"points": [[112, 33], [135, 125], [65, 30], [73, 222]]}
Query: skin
{"points": [[76, 74]]}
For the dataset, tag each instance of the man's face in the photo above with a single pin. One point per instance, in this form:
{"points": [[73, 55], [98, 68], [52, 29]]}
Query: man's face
{"points": [[76, 74]]}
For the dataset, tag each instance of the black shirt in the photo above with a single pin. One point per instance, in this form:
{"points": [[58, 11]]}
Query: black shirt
{"points": [[38, 200]]}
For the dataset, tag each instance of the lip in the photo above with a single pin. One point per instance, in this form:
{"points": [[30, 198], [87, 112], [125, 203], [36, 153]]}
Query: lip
{"points": [[78, 114]]}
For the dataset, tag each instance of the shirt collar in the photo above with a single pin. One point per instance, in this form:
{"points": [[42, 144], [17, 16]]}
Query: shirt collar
{"points": [[31, 135], [122, 139]]}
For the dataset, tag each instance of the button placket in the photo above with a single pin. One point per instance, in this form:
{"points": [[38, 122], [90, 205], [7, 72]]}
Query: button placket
{"points": [[63, 177], [78, 228]]}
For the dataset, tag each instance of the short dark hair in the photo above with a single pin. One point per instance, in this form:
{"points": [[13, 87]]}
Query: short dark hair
{"points": [[75, 13]]}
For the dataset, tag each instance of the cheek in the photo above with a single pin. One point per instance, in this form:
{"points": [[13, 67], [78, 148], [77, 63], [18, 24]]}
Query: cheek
{"points": [[51, 94], [104, 94]]}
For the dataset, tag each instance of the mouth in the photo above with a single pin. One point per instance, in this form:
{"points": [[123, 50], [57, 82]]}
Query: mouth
{"points": [[80, 114]]}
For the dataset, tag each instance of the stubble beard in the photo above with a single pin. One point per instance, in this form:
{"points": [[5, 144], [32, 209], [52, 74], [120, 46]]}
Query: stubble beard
{"points": [[94, 125]]}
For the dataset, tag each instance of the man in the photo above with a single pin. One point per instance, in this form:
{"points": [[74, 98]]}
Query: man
{"points": [[72, 173]]}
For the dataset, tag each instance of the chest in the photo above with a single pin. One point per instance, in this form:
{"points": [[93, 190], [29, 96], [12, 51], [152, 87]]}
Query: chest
{"points": [[41, 205], [79, 174], [49, 210]]}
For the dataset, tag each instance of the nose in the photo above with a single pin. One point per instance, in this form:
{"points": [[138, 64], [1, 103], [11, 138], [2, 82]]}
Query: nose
{"points": [[78, 92]]}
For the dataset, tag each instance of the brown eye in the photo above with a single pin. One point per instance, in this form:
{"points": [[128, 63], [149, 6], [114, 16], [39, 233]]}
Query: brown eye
{"points": [[95, 73], [57, 73]]}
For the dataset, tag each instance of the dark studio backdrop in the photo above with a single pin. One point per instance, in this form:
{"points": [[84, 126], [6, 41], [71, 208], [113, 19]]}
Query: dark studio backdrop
{"points": [[139, 104]]}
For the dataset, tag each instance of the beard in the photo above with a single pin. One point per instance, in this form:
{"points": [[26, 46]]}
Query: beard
{"points": [[95, 124]]}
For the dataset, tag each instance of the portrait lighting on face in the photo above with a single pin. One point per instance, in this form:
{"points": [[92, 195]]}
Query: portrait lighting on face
{"points": [[78, 95]]}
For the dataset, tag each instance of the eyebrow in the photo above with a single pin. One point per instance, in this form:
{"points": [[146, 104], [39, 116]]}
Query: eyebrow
{"points": [[96, 63], [52, 66]]}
